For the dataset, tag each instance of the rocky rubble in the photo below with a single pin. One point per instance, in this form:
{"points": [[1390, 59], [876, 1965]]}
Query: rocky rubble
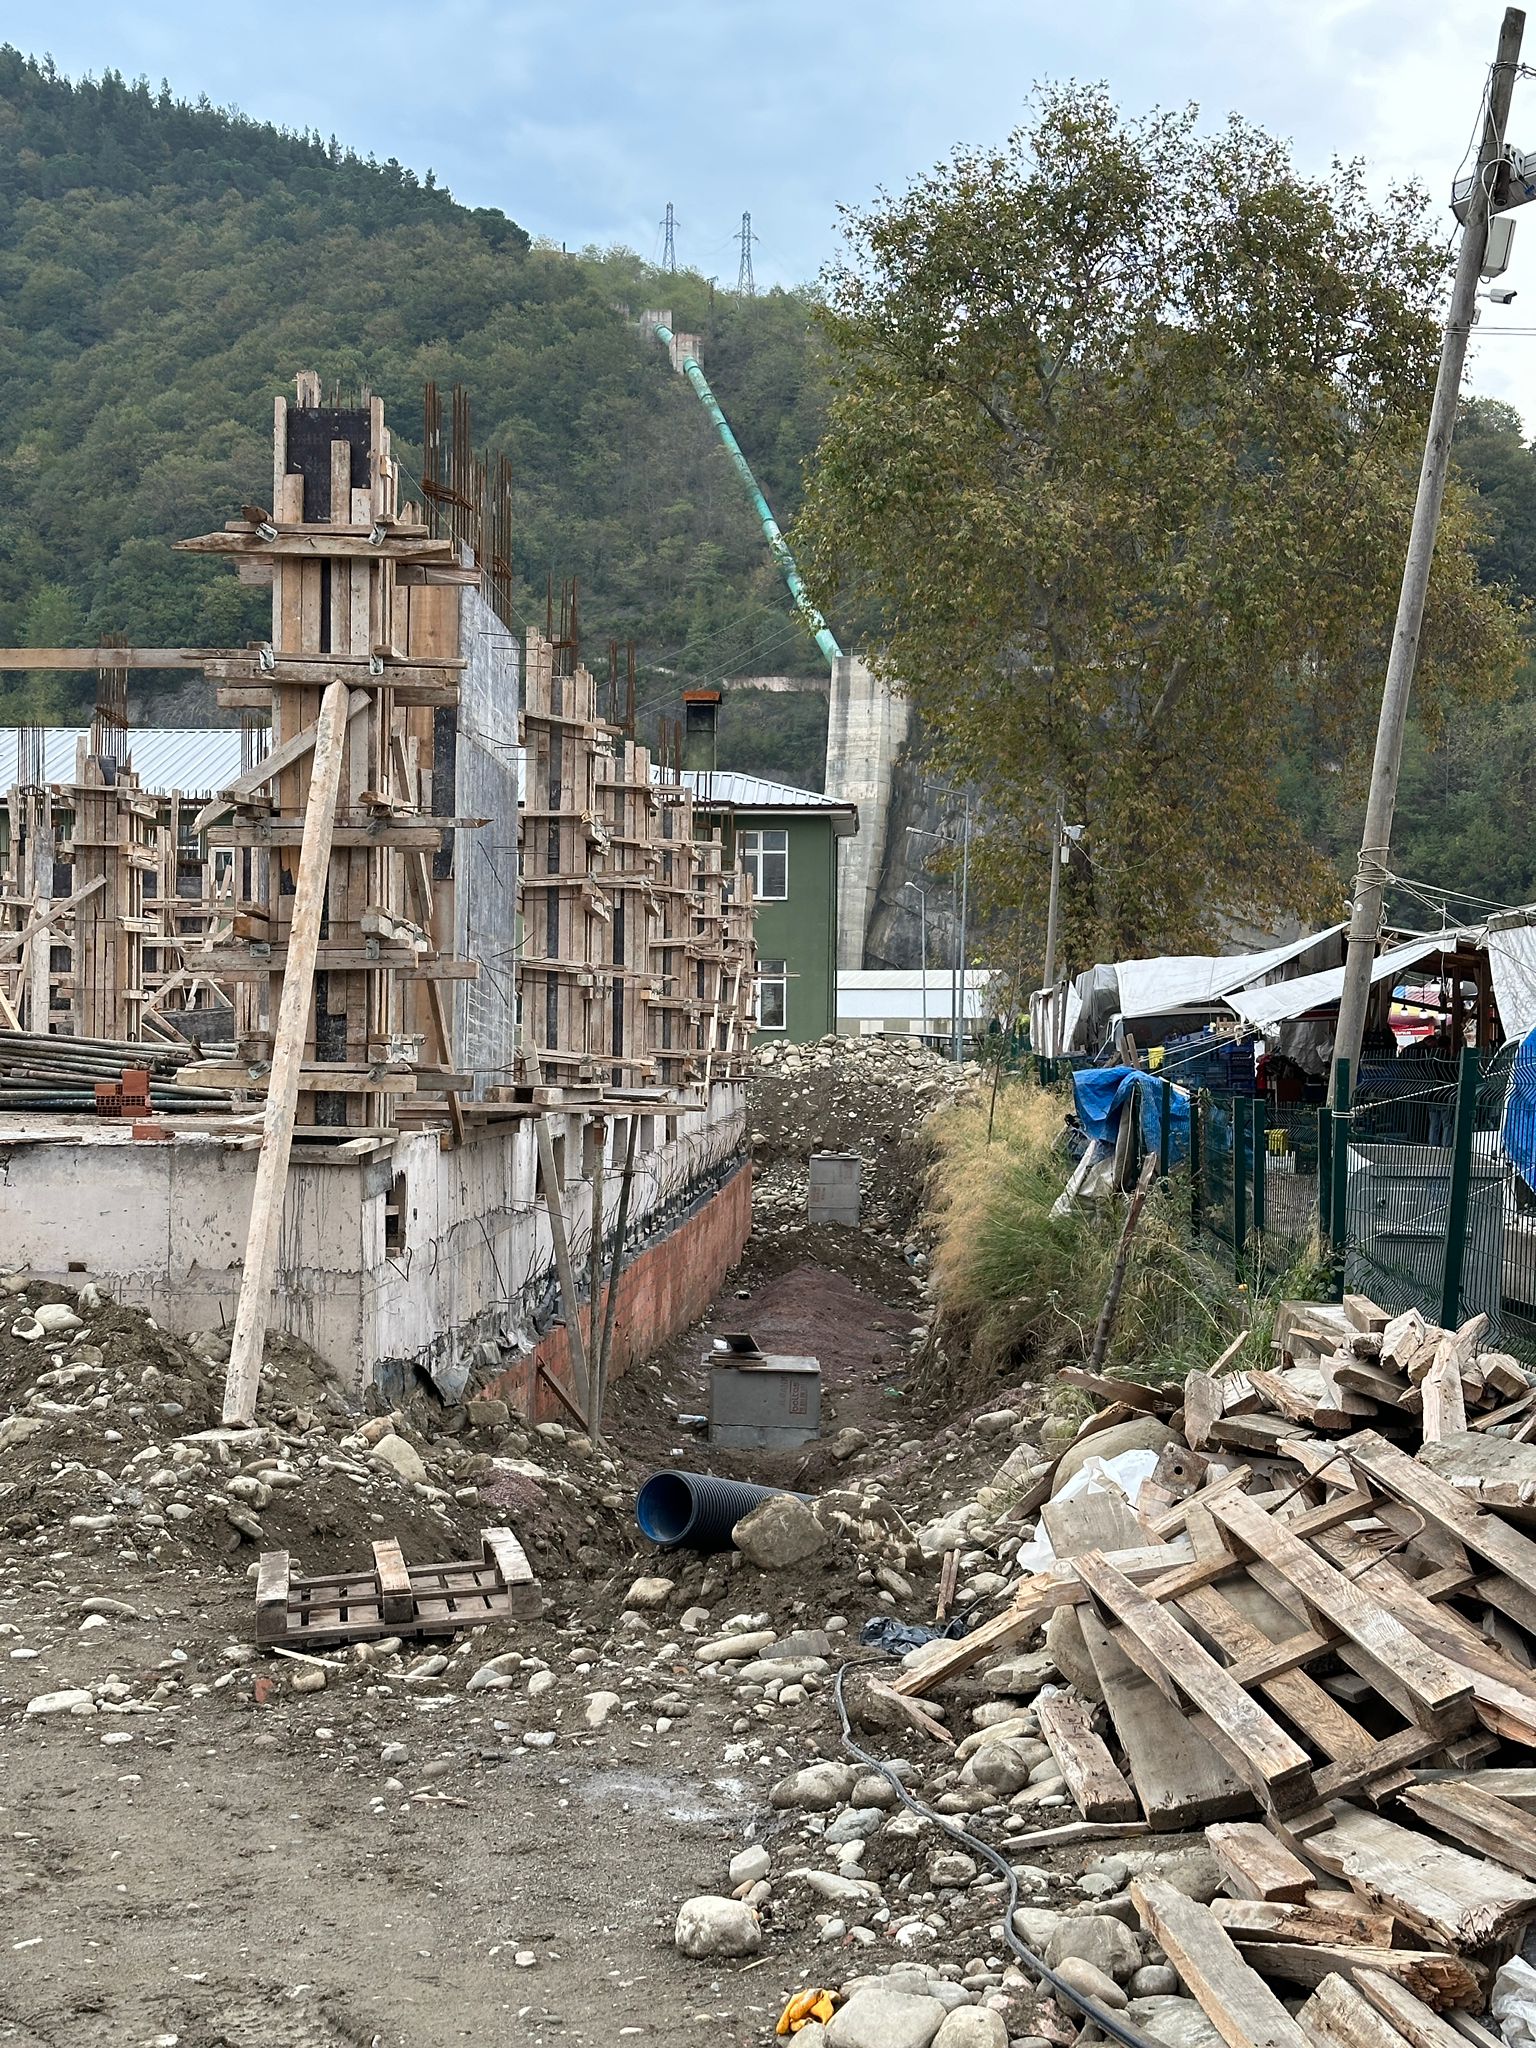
{"points": [[866, 1095]]}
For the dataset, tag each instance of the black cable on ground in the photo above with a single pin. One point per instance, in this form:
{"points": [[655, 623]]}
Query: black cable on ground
{"points": [[1109, 2022]]}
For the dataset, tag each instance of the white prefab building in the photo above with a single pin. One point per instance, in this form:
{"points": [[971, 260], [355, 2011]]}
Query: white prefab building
{"points": [[900, 1002]]}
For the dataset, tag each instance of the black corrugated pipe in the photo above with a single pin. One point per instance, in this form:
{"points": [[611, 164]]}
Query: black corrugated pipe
{"points": [[696, 1509]]}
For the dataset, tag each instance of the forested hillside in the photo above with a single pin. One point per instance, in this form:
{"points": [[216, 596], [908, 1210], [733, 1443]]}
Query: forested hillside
{"points": [[164, 268]]}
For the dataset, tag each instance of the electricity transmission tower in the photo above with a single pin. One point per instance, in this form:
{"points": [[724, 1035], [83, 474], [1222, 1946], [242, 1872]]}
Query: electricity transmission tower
{"points": [[746, 284], [669, 249]]}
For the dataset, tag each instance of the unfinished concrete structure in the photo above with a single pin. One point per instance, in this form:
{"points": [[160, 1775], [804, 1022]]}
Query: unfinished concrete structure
{"points": [[397, 1171]]}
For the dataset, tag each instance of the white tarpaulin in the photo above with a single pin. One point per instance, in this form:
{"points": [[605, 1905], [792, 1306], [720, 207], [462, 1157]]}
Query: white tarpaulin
{"points": [[1283, 999], [1512, 962], [1153, 988]]}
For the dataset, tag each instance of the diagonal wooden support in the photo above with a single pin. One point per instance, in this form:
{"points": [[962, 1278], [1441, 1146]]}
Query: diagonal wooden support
{"points": [[244, 1376], [274, 763]]}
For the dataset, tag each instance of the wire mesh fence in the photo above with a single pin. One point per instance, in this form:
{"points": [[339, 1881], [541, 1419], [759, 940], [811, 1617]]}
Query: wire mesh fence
{"points": [[1412, 1195]]}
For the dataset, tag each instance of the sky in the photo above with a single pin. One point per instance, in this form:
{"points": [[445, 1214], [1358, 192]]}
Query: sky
{"points": [[581, 119]]}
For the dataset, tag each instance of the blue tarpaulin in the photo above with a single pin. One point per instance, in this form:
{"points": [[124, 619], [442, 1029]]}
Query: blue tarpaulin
{"points": [[1520, 1110], [1101, 1094]]}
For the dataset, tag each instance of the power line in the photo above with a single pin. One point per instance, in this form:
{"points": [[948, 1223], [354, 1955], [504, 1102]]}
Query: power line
{"points": [[669, 228], [746, 284]]}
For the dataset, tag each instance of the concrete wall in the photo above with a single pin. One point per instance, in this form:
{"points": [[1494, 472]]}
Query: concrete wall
{"points": [[486, 769], [866, 730], [471, 1286], [668, 1286]]}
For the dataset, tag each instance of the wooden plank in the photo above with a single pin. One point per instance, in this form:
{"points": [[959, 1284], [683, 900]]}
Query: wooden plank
{"points": [[1425, 1973], [1459, 1901], [1323, 1918], [1445, 1408], [1036, 1598], [395, 1598], [1478, 1820], [1131, 1393], [1486, 1536], [1516, 1785], [1180, 1779], [502, 1549], [1339, 2013], [272, 1575], [1401, 1338], [1437, 1690], [1279, 1769], [254, 1306], [1098, 1787], [1254, 1864], [1237, 2002], [1363, 1314], [1202, 1408], [298, 748], [1419, 2024], [1503, 1693]]}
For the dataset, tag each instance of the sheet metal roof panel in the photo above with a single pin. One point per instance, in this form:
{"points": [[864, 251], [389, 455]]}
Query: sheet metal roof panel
{"points": [[757, 793], [196, 760]]}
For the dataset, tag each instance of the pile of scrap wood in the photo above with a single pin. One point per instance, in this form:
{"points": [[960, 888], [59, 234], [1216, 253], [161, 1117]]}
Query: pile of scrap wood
{"points": [[1314, 1635]]}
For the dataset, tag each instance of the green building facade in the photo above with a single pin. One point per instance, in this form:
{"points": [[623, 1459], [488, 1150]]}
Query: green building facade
{"points": [[788, 840]]}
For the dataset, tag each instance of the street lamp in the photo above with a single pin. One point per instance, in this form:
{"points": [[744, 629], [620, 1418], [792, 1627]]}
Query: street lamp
{"points": [[922, 894]]}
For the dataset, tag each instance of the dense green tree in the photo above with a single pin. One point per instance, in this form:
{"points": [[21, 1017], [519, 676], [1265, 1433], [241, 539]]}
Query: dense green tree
{"points": [[1119, 466]]}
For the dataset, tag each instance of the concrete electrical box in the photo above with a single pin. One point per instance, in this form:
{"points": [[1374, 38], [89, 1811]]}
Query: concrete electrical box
{"points": [[762, 1401], [832, 1188]]}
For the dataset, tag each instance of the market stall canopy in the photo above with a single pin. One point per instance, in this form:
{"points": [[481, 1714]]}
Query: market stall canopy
{"points": [[1184, 981], [1279, 1001], [1511, 951]]}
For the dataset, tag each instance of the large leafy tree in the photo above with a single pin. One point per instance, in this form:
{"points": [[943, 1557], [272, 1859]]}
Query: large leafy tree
{"points": [[1122, 446]]}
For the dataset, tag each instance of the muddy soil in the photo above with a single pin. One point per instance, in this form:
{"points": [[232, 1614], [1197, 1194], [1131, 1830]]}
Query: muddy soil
{"points": [[209, 1853]]}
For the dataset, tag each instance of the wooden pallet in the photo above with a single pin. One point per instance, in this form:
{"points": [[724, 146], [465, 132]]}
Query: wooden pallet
{"points": [[394, 1598]]}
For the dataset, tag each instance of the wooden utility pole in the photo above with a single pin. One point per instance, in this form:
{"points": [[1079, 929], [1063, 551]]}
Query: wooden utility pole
{"points": [[1376, 841], [240, 1388]]}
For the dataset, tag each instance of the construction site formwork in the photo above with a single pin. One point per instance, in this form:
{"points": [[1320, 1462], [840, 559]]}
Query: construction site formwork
{"points": [[485, 988]]}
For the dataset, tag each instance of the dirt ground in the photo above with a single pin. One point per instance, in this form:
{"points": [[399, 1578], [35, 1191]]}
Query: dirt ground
{"points": [[206, 1854]]}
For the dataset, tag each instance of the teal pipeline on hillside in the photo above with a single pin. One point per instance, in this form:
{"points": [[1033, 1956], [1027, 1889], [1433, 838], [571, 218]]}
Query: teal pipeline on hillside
{"points": [[778, 546]]}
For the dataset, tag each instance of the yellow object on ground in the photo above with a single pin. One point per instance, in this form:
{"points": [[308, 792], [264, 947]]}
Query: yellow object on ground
{"points": [[804, 2007]]}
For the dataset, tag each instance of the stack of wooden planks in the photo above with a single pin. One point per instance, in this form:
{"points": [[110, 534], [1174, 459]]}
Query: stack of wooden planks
{"points": [[1314, 1634]]}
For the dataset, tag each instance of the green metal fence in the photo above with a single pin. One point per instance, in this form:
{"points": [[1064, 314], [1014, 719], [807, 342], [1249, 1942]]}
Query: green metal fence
{"points": [[1408, 1195]]}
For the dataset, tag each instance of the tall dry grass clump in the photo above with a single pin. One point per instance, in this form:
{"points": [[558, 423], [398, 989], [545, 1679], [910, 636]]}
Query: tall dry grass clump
{"points": [[1020, 1289]]}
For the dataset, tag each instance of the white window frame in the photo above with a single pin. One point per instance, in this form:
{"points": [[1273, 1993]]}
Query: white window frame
{"points": [[771, 975], [761, 850]]}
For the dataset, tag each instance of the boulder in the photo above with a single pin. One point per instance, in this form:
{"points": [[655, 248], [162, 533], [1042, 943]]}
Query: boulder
{"points": [[1098, 1938], [779, 1533], [1174, 2022], [403, 1459], [750, 1864], [876, 2017], [645, 1594], [709, 1926], [1066, 1649], [1144, 1433], [972, 2026], [1022, 1676], [815, 1788], [1003, 1767], [1081, 1975]]}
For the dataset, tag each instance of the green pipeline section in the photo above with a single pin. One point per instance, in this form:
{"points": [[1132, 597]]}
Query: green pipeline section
{"points": [[778, 546]]}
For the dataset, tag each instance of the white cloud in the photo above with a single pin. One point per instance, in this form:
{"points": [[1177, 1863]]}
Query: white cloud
{"points": [[581, 118]]}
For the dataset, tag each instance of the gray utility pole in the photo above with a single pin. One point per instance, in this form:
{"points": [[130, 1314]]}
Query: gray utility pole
{"points": [[1376, 841], [964, 933], [1053, 914], [922, 897]]}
